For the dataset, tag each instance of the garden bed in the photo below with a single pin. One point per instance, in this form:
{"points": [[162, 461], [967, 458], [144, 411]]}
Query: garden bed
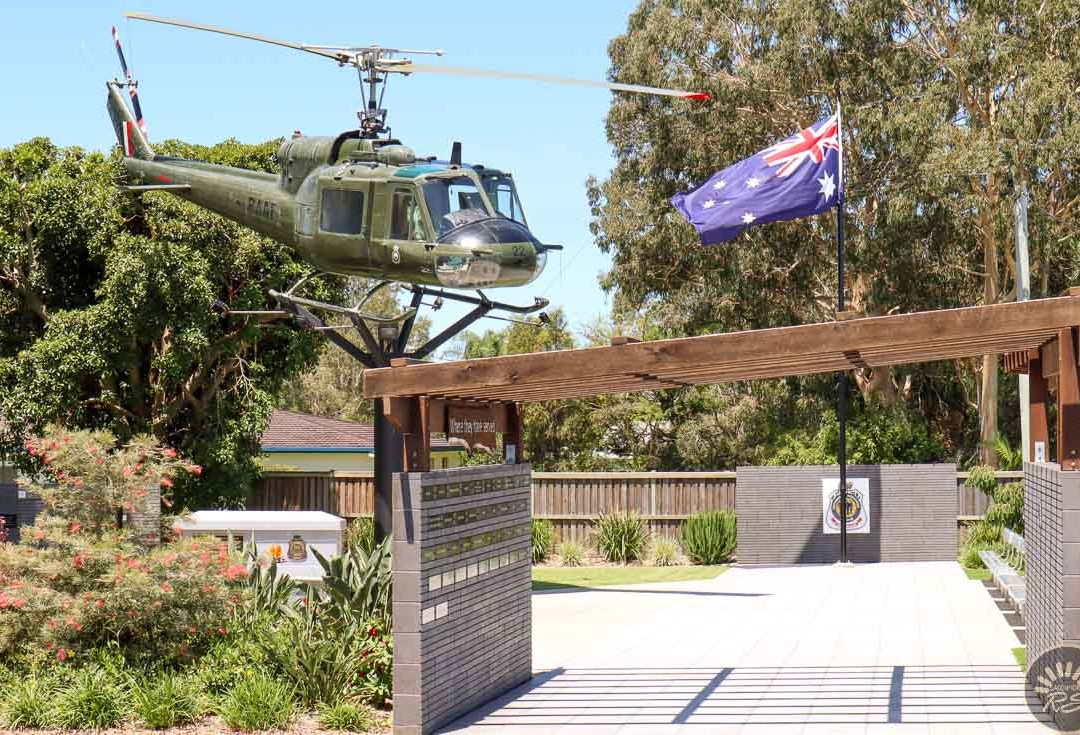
{"points": [[305, 725], [556, 577]]}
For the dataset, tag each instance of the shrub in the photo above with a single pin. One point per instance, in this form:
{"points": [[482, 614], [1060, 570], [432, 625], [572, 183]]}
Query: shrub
{"points": [[709, 537], [66, 591], [347, 716], [91, 477], [360, 535], [167, 700], [271, 590], [983, 478], [665, 553], [621, 536], [356, 586], [1007, 509], [231, 660], [543, 539], [377, 670], [258, 702], [322, 659], [969, 557], [572, 553], [92, 700], [27, 702]]}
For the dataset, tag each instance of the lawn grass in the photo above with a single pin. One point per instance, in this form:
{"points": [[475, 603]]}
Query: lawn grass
{"points": [[1020, 654], [546, 578], [980, 574]]}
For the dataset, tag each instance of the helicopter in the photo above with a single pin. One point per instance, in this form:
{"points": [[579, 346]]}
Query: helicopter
{"points": [[362, 203]]}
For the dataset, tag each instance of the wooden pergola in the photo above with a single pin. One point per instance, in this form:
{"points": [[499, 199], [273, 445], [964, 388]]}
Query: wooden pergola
{"points": [[1037, 337]]}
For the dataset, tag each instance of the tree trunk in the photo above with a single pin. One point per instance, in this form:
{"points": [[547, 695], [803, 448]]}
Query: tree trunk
{"points": [[988, 395], [988, 411]]}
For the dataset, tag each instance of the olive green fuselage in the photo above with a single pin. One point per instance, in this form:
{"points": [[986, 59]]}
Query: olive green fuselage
{"points": [[368, 207]]}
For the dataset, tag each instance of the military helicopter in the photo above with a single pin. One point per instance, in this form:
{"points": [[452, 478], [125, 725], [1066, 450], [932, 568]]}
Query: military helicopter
{"points": [[362, 203]]}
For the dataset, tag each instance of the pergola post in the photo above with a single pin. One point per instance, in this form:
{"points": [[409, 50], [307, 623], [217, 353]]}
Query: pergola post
{"points": [[1038, 394], [513, 447], [417, 440], [388, 458], [1068, 409]]}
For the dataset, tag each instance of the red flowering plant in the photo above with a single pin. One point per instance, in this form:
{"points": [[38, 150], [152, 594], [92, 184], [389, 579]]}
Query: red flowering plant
{"points": [[75, 582], [64, 593], [376, 677], [87, 476]]}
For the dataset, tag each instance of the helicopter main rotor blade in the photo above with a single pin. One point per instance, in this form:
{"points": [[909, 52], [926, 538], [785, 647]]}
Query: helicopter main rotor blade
{"points": [[341, 58], [409, 68]]}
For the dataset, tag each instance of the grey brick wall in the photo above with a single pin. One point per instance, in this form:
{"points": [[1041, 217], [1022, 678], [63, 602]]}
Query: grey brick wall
{"points": [[1052, 558], [912, 514], [462, 591]]}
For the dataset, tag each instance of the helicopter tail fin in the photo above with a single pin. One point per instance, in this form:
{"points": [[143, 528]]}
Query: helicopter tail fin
{"points": [[129, 134]]}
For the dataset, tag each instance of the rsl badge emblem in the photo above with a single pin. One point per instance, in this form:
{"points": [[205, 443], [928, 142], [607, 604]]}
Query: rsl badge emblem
{"points": [[857, 512], [297, 549]]}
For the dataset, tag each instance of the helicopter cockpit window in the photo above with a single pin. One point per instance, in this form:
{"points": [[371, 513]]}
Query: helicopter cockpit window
{"points": [[406, 222], [342, 211], [453, 202], [500, 190]]}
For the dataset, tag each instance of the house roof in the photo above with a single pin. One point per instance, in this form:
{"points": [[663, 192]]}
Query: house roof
{"points": [[291, 431]]}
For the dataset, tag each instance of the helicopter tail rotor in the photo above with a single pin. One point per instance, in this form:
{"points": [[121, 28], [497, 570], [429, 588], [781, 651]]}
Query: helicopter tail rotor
{"points": [[132, 85]]}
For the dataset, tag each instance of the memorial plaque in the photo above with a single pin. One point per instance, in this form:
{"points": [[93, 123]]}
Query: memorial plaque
{"points": [[473, 424], [462, 591]]}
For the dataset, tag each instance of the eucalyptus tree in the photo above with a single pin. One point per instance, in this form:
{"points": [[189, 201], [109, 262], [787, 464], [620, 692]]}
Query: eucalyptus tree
{"points": [[949, 107]]}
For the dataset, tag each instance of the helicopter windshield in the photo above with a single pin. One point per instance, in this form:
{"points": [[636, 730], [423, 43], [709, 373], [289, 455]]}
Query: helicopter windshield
{"points": [[503, 194], [453, 202]]}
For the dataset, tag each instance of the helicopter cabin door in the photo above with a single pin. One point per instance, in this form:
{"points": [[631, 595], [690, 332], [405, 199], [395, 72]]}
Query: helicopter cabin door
{"points": [[344, 223], [405, 227]]}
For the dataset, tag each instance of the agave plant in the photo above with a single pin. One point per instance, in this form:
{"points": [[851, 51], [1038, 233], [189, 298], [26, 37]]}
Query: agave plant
{"points": [[272, 592], [357, 586]]}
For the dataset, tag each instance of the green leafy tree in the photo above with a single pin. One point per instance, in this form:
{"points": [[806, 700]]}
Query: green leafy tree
{"points": [[949, 107], [107, 318]]}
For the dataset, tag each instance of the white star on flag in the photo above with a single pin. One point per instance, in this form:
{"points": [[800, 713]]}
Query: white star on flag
{"points": [[753, 182], [828, 186], [709, 204], [719, 184], [748, 218]]}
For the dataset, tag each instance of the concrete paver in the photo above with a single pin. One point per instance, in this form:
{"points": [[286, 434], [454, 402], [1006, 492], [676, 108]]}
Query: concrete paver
{"points": [[908, 648]]}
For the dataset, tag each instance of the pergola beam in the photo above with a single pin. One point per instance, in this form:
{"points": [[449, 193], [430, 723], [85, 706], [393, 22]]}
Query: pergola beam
{"points": [[768, 353]]}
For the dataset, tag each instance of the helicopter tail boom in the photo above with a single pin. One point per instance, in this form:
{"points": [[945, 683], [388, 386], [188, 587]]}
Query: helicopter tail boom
{"points": [[129, 134]]}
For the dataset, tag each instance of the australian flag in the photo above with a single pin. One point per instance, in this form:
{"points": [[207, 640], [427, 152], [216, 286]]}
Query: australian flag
{"points": [[800, 176]]}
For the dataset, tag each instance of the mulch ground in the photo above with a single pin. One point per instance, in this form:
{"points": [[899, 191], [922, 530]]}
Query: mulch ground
{"points": [[303, 725]]}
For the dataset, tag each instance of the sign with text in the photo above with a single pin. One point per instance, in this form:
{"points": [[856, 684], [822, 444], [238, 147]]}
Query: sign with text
{"points": [[473, 424], [858, 505]]}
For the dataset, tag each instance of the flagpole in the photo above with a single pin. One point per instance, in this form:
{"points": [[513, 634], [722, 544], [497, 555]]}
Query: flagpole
{"points": [[841, 398]]}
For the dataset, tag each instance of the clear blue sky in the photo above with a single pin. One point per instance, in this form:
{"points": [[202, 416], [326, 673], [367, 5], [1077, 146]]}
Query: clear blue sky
{"points": [[202, 87]]}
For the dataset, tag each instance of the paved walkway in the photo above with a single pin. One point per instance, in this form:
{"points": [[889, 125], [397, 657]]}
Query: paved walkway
{"points": [[905, 648]]}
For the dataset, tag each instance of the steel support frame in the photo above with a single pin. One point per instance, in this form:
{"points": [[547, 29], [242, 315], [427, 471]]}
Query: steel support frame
{"points": [[397, 451]]}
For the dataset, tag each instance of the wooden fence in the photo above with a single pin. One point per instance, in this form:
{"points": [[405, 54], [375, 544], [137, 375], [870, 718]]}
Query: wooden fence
{"points": [[570, 500], [344, 494]]}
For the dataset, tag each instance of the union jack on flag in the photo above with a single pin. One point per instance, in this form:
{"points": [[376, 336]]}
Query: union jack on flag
{"points": [[797, 177]]}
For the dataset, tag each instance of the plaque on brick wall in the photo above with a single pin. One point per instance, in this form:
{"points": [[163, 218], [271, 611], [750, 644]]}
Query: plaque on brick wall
{"points": [[462, 591], [858, 505]]}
